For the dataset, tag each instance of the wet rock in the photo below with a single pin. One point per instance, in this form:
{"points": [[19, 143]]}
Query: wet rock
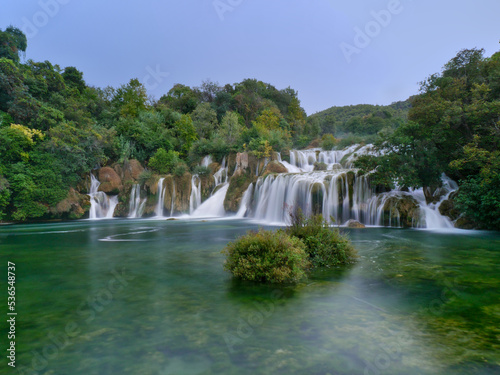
{"points": [[447, 208], [275, 167], [465, 223], [238, 184], [73, 206], [111, 183], [354, 224], [318, 166]]}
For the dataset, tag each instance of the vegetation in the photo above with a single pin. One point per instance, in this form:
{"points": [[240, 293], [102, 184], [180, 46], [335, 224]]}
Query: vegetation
{"points": [[454, 128], [285, 256], [55, 129], [326, 246], [267, 256]]}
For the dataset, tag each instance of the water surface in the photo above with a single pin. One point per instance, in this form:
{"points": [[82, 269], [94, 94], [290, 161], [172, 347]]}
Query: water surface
{"points": [[151, 297]]}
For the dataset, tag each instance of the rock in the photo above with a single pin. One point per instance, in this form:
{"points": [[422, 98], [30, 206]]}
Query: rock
{"points": [[130, 170], [238, 184], [318, 166], [242, 160], [73, 206], [275, 167], [465, 223], [404, 207], [172, 219], [447, 208], [354, 224], [111, 183]]}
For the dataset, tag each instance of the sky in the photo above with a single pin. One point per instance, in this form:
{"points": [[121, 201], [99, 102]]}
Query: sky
{"points": [[332, 52]]}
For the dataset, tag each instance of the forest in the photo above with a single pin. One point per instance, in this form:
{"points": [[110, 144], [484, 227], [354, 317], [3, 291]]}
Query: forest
{"points": [[55, 129]]}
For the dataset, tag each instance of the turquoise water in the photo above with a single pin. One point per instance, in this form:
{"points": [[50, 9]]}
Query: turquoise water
{"points": [[151, 297]]}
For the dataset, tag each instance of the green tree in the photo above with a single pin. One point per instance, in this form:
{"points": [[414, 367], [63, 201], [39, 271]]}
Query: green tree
{"points": [[204, 120]]}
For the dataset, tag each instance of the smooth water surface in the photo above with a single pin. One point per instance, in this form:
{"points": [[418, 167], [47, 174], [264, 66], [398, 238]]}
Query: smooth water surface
{"points": [[151, 297]]}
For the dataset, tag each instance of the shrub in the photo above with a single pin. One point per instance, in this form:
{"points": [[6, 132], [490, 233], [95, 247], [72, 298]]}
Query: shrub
{"points": [[326, 246], [328, 142], [164, 162], [267, 256], [180, 169], [202, 171], [144, 176]]}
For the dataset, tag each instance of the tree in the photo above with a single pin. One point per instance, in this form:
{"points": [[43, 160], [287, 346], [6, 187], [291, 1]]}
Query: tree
{"points": [[231, 129], [180, 98], [130, 99], [204, 120], [12, 43], [185, 133], [163, 161]]}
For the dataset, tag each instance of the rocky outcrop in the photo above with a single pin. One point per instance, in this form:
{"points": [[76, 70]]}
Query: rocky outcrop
{"points": [[129, 171], [238, 184], [73, 206], [403, 209], [354, 224], [111, 183], [275, 167], [318, 166]]}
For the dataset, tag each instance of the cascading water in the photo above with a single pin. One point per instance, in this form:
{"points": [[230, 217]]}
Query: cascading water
{"points": [[246, 200], [338, 192], [136, 205], [161, 198], [195, 200], [172, 205], [102, 206]]}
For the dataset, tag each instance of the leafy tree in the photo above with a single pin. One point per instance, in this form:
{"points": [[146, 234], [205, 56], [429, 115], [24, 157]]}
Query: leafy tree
{"points": [[163, 161], [181, 98], [204, 120], [12, 43], [185, 133]]}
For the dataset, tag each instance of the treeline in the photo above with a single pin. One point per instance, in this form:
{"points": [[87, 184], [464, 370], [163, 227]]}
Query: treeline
{"points": [[453, 127], [362, 122], [55, 129]]}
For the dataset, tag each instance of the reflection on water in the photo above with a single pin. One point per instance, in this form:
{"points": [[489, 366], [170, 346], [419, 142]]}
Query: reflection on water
{"points": [[124, 297]]}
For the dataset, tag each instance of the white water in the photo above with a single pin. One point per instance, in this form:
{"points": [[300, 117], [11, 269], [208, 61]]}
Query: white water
{"points": [[161, 198], [246, 201], [102, 206], [136, 205], [213, 206], [195, 200]]}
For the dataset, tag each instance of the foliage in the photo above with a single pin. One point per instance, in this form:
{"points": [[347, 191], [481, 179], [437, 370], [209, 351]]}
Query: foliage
{"points": [[326, 246], [180, 169], [267, 256], [328, 142], [202, 171], [163, 161]]}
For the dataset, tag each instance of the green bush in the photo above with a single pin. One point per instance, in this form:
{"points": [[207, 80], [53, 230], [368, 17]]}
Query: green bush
{"points": [[267, 256], [164, 162], [326, 246], [180, 169], [328, 142], [202, 171]]}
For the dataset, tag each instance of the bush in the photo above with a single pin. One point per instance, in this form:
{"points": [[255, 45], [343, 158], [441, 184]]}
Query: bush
{"points": [[326, 246], [267, 256], [164, 162], [202, 171], [328, 142], [180, 169]]}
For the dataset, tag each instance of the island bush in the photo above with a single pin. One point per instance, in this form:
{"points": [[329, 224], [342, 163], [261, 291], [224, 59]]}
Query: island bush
{"points": [[326, 246], [285, 255], [267, 256]]}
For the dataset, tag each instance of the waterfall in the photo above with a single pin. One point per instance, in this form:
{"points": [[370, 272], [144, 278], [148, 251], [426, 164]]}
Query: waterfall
{"points": [[161, 197], [213, 206], [246, 200], [136, 205], [172, 206], [220, 176], [101, 205], [195, 200], [207, 160]]}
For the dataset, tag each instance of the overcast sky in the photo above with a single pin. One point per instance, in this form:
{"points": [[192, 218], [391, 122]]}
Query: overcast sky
{"points": [[333, 52]]}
